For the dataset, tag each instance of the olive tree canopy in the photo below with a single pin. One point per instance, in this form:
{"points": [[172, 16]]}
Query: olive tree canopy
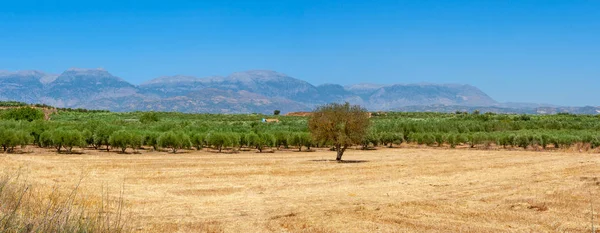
{"points": [[342, 125]]}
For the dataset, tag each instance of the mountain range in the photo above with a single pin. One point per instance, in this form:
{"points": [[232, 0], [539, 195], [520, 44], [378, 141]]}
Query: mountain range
{"points": [[259, 91]]}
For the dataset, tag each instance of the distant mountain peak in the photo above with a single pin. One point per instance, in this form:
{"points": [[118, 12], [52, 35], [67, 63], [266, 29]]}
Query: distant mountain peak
{"points": [[251, 90], [171, 80], [87, 72], [22, 73], [258, 75], [75, 69]]}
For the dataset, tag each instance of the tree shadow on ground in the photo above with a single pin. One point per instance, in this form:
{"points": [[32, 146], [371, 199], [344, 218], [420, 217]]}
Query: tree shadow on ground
{"points": [[341, 161], [62, 152]]}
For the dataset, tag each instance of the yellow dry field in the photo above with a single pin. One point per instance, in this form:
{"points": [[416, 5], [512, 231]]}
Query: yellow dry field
{"points": [[384, 190]]}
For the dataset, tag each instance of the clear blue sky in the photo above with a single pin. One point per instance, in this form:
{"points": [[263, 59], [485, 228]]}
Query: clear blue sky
{"points": [[520, 51]]}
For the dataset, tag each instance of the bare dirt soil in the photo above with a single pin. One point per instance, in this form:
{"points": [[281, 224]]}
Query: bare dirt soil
{"points": [[384, 190]]}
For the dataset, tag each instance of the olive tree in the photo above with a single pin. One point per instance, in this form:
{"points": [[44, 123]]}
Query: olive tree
{"points": [[198, 140], [62, 138], [389, 138], [219, 140], [300, 139], [174, 140], [11, 138], [343, 125], [120, 139], [72, 138], [265, 140]]}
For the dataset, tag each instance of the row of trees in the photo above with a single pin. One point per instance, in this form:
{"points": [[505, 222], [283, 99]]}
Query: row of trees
{"points": [[506, 139], [67, 139], [334, 125]]}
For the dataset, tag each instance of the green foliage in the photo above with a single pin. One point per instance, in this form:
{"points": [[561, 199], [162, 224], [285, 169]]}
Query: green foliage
{"points": [[532, 131], [101, 135], [120, 139], [149, 117], [198, 140], [219, 140], [12, 104], [261, 141], [390, 138], [281, 139], [11, 138], [300, 139], [276, 112], [23, 114], [522, 140], [174, 140], [62, 138], [151, 139]]}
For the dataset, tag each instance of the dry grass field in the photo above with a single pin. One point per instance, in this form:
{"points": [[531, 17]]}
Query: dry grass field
{"points": [[385, 190]]}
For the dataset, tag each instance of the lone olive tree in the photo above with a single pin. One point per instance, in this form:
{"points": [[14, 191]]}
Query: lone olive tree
{"points": [[343, 125]]}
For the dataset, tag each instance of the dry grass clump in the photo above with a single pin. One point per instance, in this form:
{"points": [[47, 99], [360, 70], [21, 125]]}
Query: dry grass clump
{"points": [[28, 208]]}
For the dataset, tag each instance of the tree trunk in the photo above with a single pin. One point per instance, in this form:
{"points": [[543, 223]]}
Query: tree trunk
{"points": [[300, 148], [107, 148], [123, 150], [174, 150], [69, 150], [220, 147], [340, 151]]}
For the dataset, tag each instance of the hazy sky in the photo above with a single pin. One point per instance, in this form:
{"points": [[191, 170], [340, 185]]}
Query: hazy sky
{"points": [[520, 51]]}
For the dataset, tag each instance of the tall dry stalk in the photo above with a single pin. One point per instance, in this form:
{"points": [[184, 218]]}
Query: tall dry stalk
{"points": [[26, 208]]}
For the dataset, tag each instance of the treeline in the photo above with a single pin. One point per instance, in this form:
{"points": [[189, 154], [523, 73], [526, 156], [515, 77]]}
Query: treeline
{"points": [[233, 132], [22, 104], [173, 137]]}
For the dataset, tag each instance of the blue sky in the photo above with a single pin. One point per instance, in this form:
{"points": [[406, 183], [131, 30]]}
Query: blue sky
{"points": [[519, 51]]}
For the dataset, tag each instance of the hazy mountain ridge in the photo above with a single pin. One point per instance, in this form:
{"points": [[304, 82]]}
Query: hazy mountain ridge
{"points": [[241, 92]]}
